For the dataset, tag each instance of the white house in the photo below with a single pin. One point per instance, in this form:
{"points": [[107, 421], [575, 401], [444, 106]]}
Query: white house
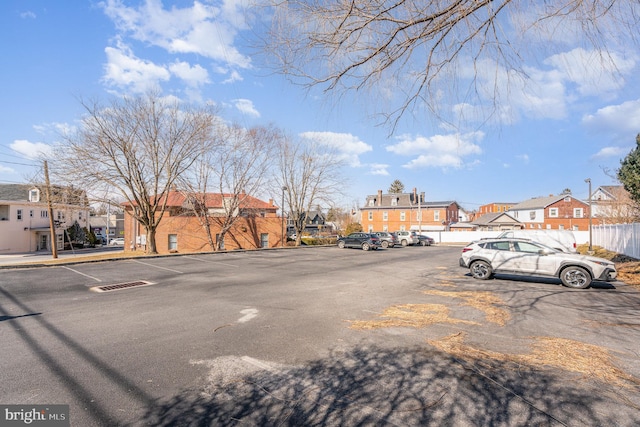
{"points": [[24, 216]]}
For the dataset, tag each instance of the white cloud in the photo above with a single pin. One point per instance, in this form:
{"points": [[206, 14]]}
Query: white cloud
{"points": [[349, 146], [594, 72], [193, 76], [202, 29], [27, 15], [246, 107], [124, 70], [612, 152], [523, 157], [31, 150], [5, 169], [439, 150], [622, 121], [379, 169]]}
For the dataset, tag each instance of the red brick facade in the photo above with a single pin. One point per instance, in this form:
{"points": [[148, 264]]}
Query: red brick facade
{"points": [[258, 226]]}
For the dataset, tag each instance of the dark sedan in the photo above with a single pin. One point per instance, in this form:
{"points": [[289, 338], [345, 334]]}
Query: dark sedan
{"points": [[364, 241]]}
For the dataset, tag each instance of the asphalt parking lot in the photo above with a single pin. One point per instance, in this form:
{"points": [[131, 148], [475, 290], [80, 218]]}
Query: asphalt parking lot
{"points": [[316, 336]]}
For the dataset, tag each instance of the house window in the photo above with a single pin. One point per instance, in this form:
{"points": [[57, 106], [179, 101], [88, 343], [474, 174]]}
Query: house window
{"points": [[264, 240], [44, 214], [553, 212], [532, 214], [31, 213], [575, 228], [173, 242], [370, 215], [80, 215], [577, 212], [394, 202], [19, 214], [436, 215], [402, 216], [385, 216], [385, 228], [34, 195], [561, 227], [370, 228], [548, 226], [402, 228], [371, 202]]}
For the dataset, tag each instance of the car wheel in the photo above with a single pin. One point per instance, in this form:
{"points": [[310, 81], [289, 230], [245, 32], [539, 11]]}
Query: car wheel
{"points": [[404, 243], [365, 246], [481, 270], [385, 244], [575, 277], [341, 244], [423, 243]]}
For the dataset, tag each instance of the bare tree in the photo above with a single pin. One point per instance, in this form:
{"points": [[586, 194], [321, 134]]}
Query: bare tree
{"points": [[236, 167], [137, 148], [309, 174], [619, 208], [425, 53]]}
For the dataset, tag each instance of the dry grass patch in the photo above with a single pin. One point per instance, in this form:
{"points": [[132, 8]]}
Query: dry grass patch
{"points": [[574, 356], [410, 316], [483, 301], [628, 267]]}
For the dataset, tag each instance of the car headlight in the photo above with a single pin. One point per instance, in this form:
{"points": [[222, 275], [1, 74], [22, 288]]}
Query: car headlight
{"points": [[605, 263]]}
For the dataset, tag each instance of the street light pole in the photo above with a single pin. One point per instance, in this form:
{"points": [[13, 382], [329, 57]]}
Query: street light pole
{"points": [[588, 180], [284, 188]]}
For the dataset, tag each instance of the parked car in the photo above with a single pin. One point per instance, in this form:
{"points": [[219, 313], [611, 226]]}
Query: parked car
{"points": [[365, 241], [487, 257], [421, 240], [118, 241], [387, 240], [405, 238], [562, 240]]}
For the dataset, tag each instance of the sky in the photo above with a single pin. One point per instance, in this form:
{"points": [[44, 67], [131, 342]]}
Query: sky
{"points": [[572, 122]]}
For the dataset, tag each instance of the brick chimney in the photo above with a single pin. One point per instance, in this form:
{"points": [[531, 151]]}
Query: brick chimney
{"points": [[379, 197]]}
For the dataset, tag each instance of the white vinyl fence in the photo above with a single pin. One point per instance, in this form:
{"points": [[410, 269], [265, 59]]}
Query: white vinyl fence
{"points": [[620, 238]]}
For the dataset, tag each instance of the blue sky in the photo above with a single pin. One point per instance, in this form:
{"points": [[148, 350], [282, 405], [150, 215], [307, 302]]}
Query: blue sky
{"points": [[573, 121]]}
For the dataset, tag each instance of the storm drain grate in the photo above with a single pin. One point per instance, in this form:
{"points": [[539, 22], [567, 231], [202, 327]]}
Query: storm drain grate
{"points": [[117, 287]]}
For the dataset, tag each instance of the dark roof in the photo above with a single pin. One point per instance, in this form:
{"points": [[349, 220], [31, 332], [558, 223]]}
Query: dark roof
{"points": [[59, 194], [492, 218], [15, 192]]}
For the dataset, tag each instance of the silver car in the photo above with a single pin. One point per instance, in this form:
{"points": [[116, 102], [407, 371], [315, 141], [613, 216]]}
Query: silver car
{"points": [[487, 257]]}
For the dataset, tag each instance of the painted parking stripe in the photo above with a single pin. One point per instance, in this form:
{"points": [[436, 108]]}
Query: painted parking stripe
{"points": [[82, 274], [157, 266], [209, 262]]}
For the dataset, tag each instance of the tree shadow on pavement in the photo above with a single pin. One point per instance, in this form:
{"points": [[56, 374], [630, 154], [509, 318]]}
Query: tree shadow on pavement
{"points": [[375, 386]]}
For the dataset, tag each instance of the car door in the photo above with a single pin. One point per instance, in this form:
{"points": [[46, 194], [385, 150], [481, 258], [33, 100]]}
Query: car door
{"points": [[499, 254], [533, 259]]}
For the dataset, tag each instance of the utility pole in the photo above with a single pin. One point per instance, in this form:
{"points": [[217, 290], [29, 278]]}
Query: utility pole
{"points": [[52, 227]]}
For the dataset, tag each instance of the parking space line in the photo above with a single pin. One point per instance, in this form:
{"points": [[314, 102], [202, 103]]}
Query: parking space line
{"points": [[82, 274], [157, 266]]}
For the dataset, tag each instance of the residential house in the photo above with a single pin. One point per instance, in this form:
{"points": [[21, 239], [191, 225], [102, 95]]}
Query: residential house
{"points": [[257, 224], [24, 216], [497, 221], [407, 211], [315, 224], [560, 212], [612, 204]]}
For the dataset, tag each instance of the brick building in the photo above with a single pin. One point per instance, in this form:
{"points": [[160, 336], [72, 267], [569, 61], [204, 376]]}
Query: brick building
{"points": [[407, 211], [257, 225], [561, 212]]}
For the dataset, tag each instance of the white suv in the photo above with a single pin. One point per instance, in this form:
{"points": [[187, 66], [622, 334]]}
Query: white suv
{"points": [[405, 238], [526, 257]]}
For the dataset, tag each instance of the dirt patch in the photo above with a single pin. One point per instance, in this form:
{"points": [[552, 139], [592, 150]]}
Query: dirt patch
{"points": [[589, 360], [483, 301], [410, 315]]}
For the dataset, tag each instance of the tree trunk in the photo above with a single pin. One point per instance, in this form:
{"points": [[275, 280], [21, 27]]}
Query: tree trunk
{"points": [[151, 241]]}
